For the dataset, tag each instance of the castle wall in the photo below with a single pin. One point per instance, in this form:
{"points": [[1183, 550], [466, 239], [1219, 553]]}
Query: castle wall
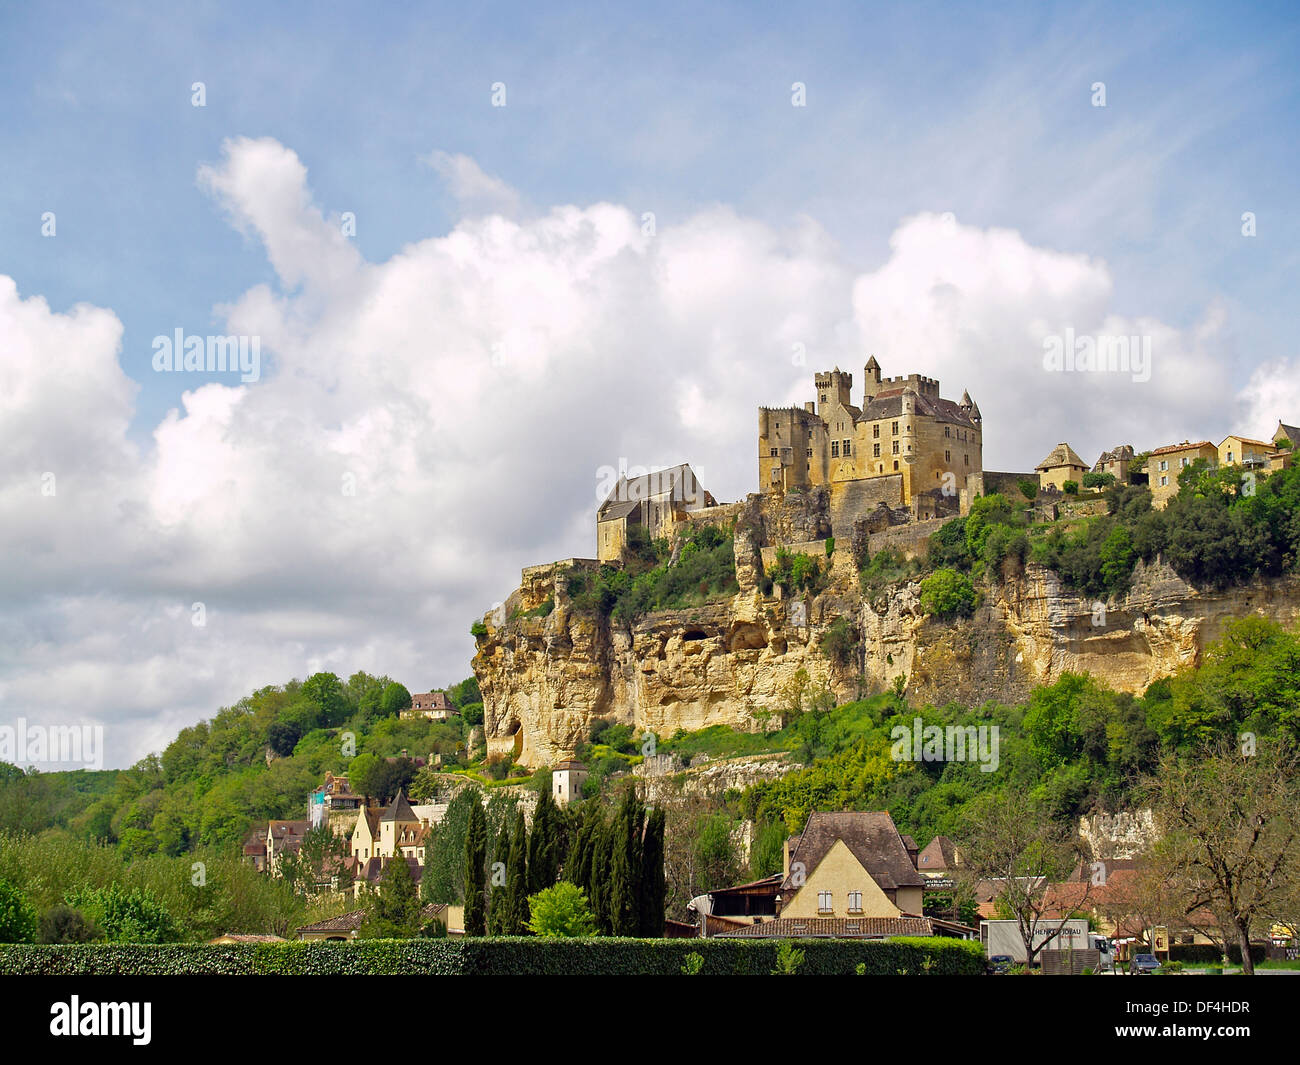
{"points": [[851, 500], [911, 541], [1007, 484]]}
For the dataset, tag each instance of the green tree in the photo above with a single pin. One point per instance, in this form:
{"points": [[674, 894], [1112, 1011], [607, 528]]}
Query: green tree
{"points": [[516, 917], [497, 882], [135, 916], [63, 924], [18, 921], [625, 865], [653, 885], [947, 593], [325, 692], [363, 774], [396, 911], [561, 910], [544, 844], [475, 878], [394, 700]]}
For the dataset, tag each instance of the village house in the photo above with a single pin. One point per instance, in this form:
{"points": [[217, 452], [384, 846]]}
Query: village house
{"points": [[567, 779], [1061, 464], [652, 501], [1245, 452], [433, 706], [381, 834], [1164, 464], [283, 837], [939, 859], [1117, 462]]}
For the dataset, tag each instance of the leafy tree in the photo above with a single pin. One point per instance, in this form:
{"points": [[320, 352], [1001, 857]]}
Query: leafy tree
{"points": [[1070, 488], [839, 643], [135, 916], [561, 910], [63, 924], [395, 699], [325, 692], [515, 922], [767, 854], [396, 911], [364, 774], [475, 878], [18, 921]]}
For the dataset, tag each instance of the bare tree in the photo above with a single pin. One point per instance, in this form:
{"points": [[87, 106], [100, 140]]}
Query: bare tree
{"points": [[1230, 823], [1024, 853]]}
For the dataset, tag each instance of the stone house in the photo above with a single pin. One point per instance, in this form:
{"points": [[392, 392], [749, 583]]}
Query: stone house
{"points": [[1286, 439], [850, 865], [1061, 464], [939, 859], [1165, 464], [1117, 462], [382, 834], [432, 706], [653, 501], [1245, 452], [905, 441], [283, 837], [567, 779]]}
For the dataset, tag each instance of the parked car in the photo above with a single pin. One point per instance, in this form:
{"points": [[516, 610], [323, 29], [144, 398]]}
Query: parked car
{"points": [[1144, 963], [1000, 963]]}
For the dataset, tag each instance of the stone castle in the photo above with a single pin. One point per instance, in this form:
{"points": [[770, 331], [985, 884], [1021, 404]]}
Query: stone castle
{"points": [[905, 446]]}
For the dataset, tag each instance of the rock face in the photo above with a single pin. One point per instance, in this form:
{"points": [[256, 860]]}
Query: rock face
{"points": [[1121, 835], [739, 661]]}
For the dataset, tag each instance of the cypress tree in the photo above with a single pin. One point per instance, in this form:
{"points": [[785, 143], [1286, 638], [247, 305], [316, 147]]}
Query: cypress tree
{"points": [[624, 903], [516, 918], [602, 844], [475, 879], [497, 891], [653, 885], [543, 846]]}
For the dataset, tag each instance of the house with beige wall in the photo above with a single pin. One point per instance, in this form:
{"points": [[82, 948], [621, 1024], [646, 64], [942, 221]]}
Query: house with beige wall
{"points": [[1061, 464], [1164, 464], [1243, 451], [849, 865]]}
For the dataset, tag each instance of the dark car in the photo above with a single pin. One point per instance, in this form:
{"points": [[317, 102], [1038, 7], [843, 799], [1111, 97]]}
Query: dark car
{"points": [[999, 964], [1144, 963]]}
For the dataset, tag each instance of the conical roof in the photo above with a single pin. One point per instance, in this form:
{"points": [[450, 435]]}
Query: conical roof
{"points": [[399, 810]]}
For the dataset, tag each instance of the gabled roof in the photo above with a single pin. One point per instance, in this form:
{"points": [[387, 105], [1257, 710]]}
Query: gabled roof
{"points": [[1061, 455], [1291, 432], [1184, 446], [344, 922], [939, 854], [832, 927], [872, 838], [1244, 440]]}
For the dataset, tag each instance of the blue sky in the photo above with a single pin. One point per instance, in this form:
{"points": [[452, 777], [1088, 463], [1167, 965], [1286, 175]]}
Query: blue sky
{"points": [[911, 111]]}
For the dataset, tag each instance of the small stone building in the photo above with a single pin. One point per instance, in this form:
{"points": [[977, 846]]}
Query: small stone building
{"points": [[1061, 464], [653, 501], [567, 779]]}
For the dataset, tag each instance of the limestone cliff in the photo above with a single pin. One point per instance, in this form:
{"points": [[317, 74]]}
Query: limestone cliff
{"points": [[735, 662]]}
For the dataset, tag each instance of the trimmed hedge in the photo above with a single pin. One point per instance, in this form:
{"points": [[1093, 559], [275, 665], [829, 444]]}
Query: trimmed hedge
{"points": [[1208, 952], [525, 956]]}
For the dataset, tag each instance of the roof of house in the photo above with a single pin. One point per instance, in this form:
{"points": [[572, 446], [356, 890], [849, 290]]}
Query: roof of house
{"points": [[1291, 432], [621, 509], [431, 701], [832, 927], [1123, 453], [940, 853], [569, 764], [246, 937], [768, 885], [647, 486], [399, 810], [889, 404], [872, 838], [1245, 440], [1184, 446], [1061, 455], [344, 922]]}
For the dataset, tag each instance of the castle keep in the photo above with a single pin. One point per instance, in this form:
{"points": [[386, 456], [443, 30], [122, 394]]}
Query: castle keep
{"points": [[905, 446]]}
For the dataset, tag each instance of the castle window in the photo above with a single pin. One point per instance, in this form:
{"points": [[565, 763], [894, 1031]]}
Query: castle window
{"points": [[772, 453], [875, 431], [895, 463], [895, 447], [846, 448], [823, 397], [835, 449], [810, 452], [967, 458], [875, 451], [947, 430], [947, 456], [893, 428]]}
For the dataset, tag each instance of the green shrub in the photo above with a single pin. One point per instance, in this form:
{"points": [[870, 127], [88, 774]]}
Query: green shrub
{"points": [[478, 630], [947, 593], [1028, 488], [1070, 488], [838, 643]]}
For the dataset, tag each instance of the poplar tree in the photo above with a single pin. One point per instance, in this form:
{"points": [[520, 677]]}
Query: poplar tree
{"points": [[544, 845], [475, 880]]}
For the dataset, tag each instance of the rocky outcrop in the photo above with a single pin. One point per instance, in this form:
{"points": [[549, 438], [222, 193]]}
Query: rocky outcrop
{"points": [[741, 661], [1121, 835]]}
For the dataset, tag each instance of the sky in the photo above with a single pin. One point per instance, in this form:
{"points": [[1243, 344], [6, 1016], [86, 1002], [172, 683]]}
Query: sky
{"points": [[486, 253]]}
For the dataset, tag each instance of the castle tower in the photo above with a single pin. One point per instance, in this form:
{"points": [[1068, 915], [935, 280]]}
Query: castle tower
{"points": [[871, 377], [833, 389]]}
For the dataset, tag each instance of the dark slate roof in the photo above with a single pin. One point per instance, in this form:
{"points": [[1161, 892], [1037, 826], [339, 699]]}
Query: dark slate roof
{"points": [[833, 927], [872, 839], [889, 404], [769, 885], [614, 511], [399, 810], [1291, 432], [649, 485]]}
